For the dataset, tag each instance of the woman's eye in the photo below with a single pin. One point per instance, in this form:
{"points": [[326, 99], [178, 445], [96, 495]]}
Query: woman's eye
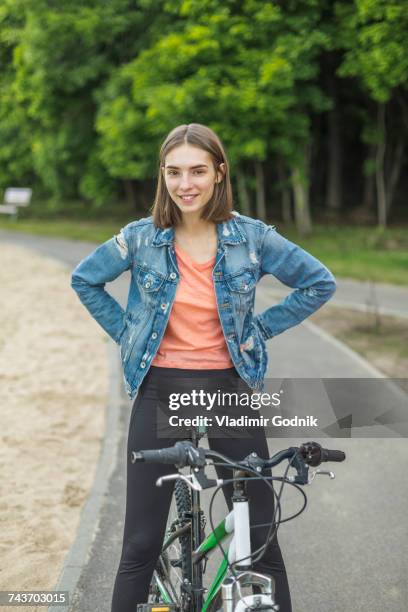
{"points": [[173, 172]]}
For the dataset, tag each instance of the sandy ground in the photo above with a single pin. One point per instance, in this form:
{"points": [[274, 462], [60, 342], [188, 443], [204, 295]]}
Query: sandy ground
{"points": [[53, 391]]}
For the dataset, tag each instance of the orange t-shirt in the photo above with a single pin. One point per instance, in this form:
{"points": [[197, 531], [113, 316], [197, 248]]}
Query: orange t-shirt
{"points": [[193, 338]]}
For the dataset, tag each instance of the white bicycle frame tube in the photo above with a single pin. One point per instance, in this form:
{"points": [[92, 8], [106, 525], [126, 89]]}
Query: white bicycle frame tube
{"points": [[237, 522], [242, 533]]}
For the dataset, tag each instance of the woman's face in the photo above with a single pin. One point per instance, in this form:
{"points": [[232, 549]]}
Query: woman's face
{"points": [[190, 177]]}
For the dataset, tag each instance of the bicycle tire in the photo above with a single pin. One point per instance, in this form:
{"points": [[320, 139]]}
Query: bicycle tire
{"points": [[183, 504], [174, 565]]}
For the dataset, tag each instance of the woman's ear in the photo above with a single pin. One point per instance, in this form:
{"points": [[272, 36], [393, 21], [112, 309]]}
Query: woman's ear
{"points": [[220, 173]]}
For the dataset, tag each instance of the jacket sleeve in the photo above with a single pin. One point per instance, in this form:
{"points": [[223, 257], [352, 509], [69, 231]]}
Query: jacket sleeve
{"points": [[314, 284], [103, 265]]}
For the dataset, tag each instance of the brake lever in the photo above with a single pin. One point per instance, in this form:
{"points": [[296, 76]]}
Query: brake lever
{"points": [[315, 473], [197, 480], [178, 476]]}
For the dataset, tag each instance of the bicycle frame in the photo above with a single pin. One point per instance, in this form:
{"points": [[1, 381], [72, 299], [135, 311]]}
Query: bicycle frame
{"points": [[224, 529], [240, 542], [237, 524], [192, 592], [246, 576]]}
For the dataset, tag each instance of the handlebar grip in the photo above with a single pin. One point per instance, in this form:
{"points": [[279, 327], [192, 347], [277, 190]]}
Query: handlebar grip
{"points": [[183, 453], [171, 455], [332, 455], [314, 454]]}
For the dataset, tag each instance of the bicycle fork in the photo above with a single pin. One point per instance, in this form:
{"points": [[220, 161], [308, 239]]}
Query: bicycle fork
{"points": [[233, 600]]}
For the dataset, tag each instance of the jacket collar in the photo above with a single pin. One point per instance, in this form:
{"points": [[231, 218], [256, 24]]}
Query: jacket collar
{"points": [[228, 232]]}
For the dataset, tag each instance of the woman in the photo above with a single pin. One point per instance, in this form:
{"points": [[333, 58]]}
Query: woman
{"points": [[194, 268]]}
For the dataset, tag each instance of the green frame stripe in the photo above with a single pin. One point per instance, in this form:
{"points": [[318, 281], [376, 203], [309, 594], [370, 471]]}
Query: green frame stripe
{"points": [[222, 570], [213, 538]]}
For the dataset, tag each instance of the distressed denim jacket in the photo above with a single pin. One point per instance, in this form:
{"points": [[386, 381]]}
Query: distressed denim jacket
{"points": [[247, 250]]}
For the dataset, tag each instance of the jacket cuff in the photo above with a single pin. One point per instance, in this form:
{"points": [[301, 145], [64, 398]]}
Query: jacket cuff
{"points": [[262, 328]]}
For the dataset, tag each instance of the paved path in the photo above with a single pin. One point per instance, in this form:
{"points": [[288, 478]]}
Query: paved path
{"points": [[348, 550]]}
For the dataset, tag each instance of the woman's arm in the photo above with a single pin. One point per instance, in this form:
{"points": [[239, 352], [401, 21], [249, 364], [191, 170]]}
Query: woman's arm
{"points": [[103, 265], [314, 284]]}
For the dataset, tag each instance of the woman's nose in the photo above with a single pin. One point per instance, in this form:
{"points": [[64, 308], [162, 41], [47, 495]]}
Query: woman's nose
{"points": [[185, 181]]}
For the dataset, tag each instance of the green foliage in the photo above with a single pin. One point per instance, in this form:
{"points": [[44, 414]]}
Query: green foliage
{"points": [[56, 60], [374, 34], [90, 87], [246, 69]]}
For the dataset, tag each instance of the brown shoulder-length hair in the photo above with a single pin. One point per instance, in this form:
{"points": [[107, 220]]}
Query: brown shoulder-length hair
{"points": [[218, 208]]}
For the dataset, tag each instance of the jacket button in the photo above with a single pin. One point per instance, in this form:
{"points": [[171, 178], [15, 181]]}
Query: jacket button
{"points": [[154, 335], [173, 275], [143, 365], [147, 285], [163, 306]]}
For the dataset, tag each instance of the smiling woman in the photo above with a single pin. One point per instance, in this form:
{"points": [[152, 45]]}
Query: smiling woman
{"points": [[194, 264], [194, 178]]}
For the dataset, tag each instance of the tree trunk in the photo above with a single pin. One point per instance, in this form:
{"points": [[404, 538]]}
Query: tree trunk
{"points": [[285, 191], [379, 167], [397, 160], [243, 194], [334, 184], [300, 186], [368, 200], [368, 193], [260, 191]]}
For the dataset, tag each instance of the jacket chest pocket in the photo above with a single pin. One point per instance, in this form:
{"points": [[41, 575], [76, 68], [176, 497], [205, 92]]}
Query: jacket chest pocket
{"points": [[150, 284], [242, 288]]}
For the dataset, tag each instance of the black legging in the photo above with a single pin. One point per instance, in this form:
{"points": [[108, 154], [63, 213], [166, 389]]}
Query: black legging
{"points": [[147, 506]]}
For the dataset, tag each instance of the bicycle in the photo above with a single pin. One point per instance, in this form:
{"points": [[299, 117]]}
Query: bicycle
{"points": [[177, 582]]}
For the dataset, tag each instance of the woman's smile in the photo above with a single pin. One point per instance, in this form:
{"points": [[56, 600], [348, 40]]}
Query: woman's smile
{"points": [[188, 198]]}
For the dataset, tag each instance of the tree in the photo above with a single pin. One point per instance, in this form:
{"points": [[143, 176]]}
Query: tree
{"points": [[243, 69], [63, 56], [374, 34], [16, 162]]}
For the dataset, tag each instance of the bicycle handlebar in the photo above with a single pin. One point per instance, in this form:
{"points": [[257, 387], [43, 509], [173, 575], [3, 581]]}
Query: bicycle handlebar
{"points": [[184, 454], [181, 454], [314, 454]]}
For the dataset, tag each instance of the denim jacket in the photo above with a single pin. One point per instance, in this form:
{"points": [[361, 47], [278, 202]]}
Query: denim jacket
{"points": [[247, 250]]}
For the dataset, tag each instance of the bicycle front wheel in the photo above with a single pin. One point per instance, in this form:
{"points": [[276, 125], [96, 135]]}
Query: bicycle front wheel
{"points": [[174, 566]]}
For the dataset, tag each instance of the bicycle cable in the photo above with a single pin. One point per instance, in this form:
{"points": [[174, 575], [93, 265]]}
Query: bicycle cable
{"points": [[274, 524], [261, 550], [225, 482], [223, 552], [231, 464]]}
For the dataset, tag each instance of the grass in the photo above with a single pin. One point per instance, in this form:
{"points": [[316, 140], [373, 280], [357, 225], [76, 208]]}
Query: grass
{"points": [[361, 253], [90, 231]]}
